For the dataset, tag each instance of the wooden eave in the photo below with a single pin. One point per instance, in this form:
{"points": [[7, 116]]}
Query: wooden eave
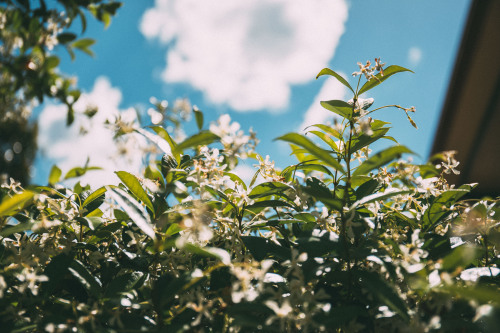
{"points": [[470, 119]]}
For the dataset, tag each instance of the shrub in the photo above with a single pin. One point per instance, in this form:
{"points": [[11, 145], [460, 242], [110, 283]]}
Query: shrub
{"points": [[342, 241]]}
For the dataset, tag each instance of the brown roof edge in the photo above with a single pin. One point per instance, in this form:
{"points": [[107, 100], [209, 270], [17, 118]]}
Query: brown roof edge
{"points": [[469, 38]]}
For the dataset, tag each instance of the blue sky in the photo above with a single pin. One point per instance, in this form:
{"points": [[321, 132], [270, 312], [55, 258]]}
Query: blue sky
{"points": [[257, 60]]}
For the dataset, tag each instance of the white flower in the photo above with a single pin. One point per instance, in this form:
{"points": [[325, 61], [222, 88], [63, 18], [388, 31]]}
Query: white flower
{"points": [[156, 117], [451, 163], [3, 286], [280, 311], [3, 20], [362, 103], [267, 170], [31, 280], [427, 186], [379, 66], [365, 70], [14, 186], [233, 139], [183, 105], [240, 195], [365, 126]]}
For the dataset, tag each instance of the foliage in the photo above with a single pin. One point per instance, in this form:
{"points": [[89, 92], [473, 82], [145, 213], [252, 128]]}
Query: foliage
{"points": [[29, 33], [343, 241]]}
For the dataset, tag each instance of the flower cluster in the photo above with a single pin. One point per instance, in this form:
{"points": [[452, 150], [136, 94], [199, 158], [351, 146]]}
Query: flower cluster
{"points": [[209, 170], [236, 144], [267, 169], [368, 71]]}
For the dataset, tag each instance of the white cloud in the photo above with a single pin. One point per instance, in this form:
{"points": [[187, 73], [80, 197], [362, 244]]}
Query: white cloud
{"points": [[68, 148], [246, 53], [414, 56], [316, 114]]}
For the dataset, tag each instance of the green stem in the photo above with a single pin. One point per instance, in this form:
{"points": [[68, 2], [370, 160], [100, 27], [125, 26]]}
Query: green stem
{"points": [[346, 199], [383, 107], [485, 241]]}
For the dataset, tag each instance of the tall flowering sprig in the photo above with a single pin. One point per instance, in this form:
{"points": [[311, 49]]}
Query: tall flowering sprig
{"points": [[367, 70], [209, 169]]}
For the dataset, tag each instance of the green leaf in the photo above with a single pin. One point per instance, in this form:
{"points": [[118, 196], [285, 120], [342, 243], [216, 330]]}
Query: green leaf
{"points": [[55, 175], [316, 187], [358, 180], [270, 203], [133, 209], [300, 154], [90, 282], [134, 185], [329, 130], [439, 207], [211, 252], [388, 72], [167, 163], [376, 124], [235, 178], [339, 107], [20, 227], [428, 170], [56, 271], [461, 256], [200, 139], [173, 229], [66, 37], [261, 248], [79, 171], [162, 140], [10, 205], [326, 139], [289, 171], [162, 133], [83, 45], [259, 225], [319, 244], [483, 294], [198, 115], [362, 140], [167, 286], [269, 188], [367, 188], [305, 217], [83, 19], [318, 152], [378, 196], [106, 19], [154, 174], [219, 194], [52, 191], [95, 213], [51, 62], [328, 71], [254, 178], [436, 245], [90, 222], [124, 283], [96, 195], [112, 7], [381, 158], [383, 291], [70, 117]]}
